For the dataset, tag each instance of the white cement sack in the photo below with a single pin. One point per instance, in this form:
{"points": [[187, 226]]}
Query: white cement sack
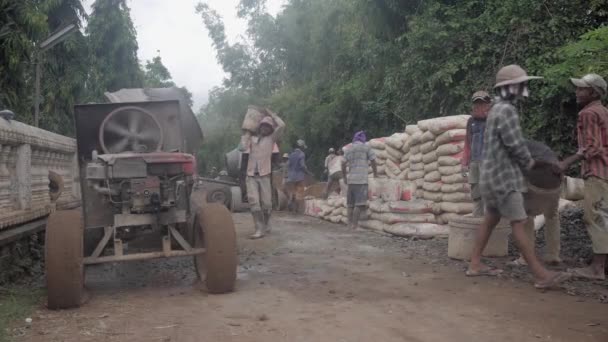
{"points": [[415, 206], [449, 161], [419, 183], [457, 197], [445, 218], [450, 136], [377, 144], [378, 206], [380, 161], [390, 174], [253, 117], [416, 138], [415, 149], [416, 158], [381, 154], [419, 194], [457, 208], [393, 153], [404, 165], [446, 123], [429, 157], [449, 148], [450, 170], [405, 157], [336, 219], [392, 167], [573, 189], [416, 167], [411, 129], [414, 175], [419, 230], [456, 187], [432, 196], [427, 136], [430, 167], [433, 176], [392, 218], [455, 178], [403, 175], [427, 147], [395, 141], [372, 225], [434, 187]]}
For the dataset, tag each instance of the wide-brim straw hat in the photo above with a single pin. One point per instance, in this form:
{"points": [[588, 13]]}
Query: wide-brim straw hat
{"points": [[513, 74]]}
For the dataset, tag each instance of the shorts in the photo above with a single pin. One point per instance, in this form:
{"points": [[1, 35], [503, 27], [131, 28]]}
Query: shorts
{"points": [[336, 176], [596, 213], [356, 195], [510, 207]]}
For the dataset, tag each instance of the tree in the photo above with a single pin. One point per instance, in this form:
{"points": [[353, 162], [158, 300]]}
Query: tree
{"points": [[112, 49]]}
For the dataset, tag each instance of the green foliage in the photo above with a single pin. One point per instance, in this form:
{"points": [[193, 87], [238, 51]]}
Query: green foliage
{"points": [[112, 49], [333, 67], [16, 304]]}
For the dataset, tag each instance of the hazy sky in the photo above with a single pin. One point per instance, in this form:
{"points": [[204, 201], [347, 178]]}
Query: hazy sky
{"points": [[174, 28]]}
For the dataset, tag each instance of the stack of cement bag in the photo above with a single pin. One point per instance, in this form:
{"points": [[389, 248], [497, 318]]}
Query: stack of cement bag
{"points": [[416, 166], [379, 148], [392, 156], [403, 218], [442, 145], [333, 209]]}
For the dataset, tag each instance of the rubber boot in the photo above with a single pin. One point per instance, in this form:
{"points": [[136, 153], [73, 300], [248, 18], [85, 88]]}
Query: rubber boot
{"points": [[258, 220], [267, 225]]}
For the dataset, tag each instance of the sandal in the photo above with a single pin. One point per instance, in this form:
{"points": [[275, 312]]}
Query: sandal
{"points": [[553, 281], [486, 271]]}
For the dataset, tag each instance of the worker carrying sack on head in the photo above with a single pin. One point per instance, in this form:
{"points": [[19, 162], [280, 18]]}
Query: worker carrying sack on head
{"points": [[592, 133], [502, 182], [259, 190], [473, 146]]}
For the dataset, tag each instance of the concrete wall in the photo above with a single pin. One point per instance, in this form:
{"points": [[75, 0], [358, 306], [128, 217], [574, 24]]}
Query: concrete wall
{"points": [[27, 154]]}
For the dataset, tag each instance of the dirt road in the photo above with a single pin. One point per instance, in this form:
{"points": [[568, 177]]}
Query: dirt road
{"points": [[314, 281]]}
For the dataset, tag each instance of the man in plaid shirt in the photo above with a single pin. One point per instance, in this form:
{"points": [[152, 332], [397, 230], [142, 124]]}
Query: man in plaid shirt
{"points": [[592, 132], [502, 182]]}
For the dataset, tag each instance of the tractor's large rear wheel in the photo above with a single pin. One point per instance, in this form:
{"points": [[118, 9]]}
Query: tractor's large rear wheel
{"points": [[214, 230], [64, 259]]}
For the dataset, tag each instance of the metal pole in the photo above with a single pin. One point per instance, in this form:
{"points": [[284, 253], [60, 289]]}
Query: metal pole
{"points": [[37, 91]]}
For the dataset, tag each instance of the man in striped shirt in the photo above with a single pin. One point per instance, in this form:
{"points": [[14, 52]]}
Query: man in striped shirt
{"points": [[592, 131]]}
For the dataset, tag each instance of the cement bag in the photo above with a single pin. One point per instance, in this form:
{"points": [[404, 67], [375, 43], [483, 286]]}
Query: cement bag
{"points": [[451, 135], [430, 167], [450, 170], [380, 161], [395, 141], [411, 129], [404, 165], [372, 225], [427, 136], [456, 187], [449, 148], [390, 173], [381, 154], [407, 190], [573, 189], [415, 149], [344, 220], [405, 157], [455, 178], [253, 117], [437, 208], [377, 144], [381, 169], [414, 175], [393, 154], [427, 147], [440, 125], [416, 158], [391, 218], [457, 208], [434, 187], [419, 182], [433, 176], [378, 206], [420, 230], [406, 145], [457, 197], [312, 208], [432, 196], [416, 138], [402, 175], [429, 157], [411, 207], [417, 167], [445, 218], [335, 219], [419, 193], [325, 210], [449, 160]]}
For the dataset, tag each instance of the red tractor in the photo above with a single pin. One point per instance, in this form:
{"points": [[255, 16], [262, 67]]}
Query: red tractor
{"points": [[138, 179]]}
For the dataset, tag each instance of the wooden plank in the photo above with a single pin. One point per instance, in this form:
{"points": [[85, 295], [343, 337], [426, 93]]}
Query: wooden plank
{"points": [[21, 231]]}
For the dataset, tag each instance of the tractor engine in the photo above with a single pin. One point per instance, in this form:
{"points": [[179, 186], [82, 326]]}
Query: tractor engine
{"points": [[142, 183]]}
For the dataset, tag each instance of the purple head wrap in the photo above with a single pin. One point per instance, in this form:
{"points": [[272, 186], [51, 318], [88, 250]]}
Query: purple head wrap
{"points": [[360, 137]]}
